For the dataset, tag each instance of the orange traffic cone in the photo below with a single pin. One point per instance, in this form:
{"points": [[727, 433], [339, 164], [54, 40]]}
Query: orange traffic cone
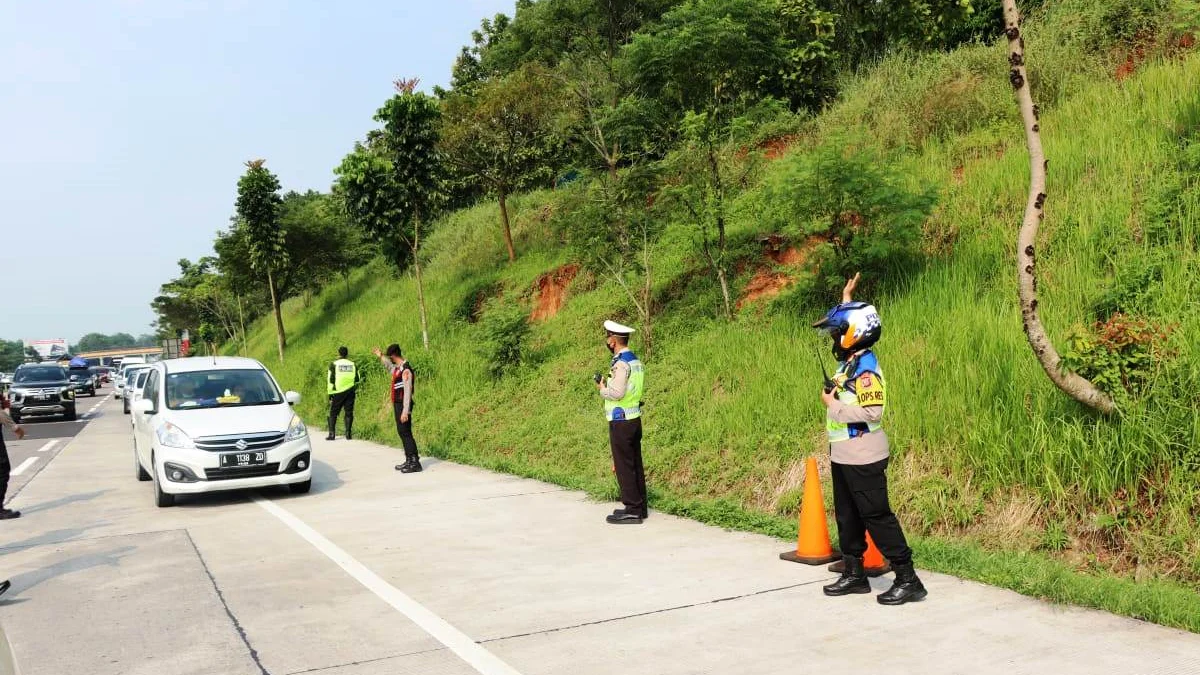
{"points": [[873, 561], [812, 543]]}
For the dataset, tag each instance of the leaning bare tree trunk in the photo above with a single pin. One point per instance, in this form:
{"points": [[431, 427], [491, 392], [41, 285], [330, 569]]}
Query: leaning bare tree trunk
{"points": [[278, 314], [416, 250], [512, 252], [1070, 383]]}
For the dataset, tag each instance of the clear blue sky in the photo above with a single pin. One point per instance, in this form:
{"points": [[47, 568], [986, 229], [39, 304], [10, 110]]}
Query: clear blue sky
{"points": [[124, 125]]}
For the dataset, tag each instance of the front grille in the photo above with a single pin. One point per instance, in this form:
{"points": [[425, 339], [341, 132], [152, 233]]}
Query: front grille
{"points": [[231, 472], [51, 394], [253, 442]]}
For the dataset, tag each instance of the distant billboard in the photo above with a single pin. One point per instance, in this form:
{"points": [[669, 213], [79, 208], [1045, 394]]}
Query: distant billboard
{"points": [[48, 350]]}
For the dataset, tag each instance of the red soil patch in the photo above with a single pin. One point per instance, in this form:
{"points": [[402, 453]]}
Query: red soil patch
{"points": [[551, 292], [768, 282], [1187, 41], [764, 284], [777, 147]]}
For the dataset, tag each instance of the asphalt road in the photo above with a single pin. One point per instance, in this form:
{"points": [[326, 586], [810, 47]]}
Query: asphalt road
{"points": [[462, 571], [45, 437]]}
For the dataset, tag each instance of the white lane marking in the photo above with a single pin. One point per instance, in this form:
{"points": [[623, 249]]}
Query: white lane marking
{"points": [[455, 640], [49, 445], [24, 465]]}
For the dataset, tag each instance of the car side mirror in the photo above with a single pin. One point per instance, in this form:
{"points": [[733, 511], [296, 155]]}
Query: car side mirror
{"points": [[145, 406], [292, 397]]}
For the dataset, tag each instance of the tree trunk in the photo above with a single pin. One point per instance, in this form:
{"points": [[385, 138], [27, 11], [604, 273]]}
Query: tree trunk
{"points": [[242, 320], [725, 292], [1070, 383], [512, 253], [416, 250], [647, 299], [278, 314]]}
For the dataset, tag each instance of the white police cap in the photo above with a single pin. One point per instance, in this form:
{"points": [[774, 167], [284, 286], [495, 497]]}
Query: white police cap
{"points": [[617, 329]]}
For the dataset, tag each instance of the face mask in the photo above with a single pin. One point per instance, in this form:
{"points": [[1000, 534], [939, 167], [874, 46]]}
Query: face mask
{"points": [[611, 348]]}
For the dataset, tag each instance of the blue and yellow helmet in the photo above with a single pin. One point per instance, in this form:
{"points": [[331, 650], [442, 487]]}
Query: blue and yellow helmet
{"points": [[853, 326]]}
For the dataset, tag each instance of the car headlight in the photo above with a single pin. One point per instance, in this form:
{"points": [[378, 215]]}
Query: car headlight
{"points": [[16, 395], [296, 429], [68, 392], [173, 437]]}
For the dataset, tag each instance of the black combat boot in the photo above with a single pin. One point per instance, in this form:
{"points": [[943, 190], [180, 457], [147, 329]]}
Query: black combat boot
{"points": [[349, 426], [907, 587], [412, 464], [853, 579]]}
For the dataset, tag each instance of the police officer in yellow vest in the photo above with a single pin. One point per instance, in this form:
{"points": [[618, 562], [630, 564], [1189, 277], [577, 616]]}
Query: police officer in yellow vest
{"points": [[343, 385], [859, 452], [622, 394]]}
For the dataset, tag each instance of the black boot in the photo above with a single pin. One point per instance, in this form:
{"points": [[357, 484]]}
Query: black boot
{"points": [[332, 426], [853, 579], [349, 426], [907, 587], [412, 464]]}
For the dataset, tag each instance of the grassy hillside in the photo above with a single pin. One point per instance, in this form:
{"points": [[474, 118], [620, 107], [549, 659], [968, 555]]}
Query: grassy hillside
{"points": [[996, 474]]}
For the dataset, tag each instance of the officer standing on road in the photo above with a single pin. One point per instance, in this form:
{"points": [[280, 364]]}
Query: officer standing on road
{"points": [[622, 394], [343, 385], [859, 452], [403, 379], [5, 466]]}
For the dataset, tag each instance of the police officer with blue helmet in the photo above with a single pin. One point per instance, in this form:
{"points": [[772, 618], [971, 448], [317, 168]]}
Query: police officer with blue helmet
{"points": [[859, 452]]}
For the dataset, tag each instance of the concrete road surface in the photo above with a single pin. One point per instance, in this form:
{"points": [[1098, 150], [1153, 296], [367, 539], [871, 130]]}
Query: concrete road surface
{"points": [[462, 571]]}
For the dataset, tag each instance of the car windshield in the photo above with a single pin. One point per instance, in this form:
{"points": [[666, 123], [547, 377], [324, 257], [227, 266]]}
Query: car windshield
{"points": [[221, 389], [40, 374]]}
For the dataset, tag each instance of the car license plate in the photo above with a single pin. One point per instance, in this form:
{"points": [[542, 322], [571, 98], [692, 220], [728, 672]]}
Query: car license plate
{"points": [[243, 459], [40, 398]]}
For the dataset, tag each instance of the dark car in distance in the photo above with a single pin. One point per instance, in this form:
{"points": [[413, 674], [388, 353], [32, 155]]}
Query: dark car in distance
{"points": [[41, 389], [83, 380]]}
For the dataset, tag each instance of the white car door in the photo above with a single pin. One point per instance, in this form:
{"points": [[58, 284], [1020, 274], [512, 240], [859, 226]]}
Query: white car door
{"points": [[143, 423]]}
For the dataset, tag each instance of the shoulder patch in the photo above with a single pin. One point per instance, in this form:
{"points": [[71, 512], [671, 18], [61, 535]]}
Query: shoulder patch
{"points": [[870, 390]]}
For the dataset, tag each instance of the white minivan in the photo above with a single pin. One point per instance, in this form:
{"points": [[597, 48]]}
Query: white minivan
{"points": [[126, 364], [206, 424]]}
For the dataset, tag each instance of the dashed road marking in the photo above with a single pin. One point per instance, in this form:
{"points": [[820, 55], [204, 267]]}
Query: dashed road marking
{"points": [[482, 660], [49, 445], [24, 465]]}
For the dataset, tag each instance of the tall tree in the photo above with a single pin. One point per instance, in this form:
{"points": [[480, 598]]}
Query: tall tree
{"points": [[1070, 383], [258, 205], [393, 186], [504, 135]]}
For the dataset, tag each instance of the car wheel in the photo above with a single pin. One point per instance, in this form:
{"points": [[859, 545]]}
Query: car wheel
{"points": [[125, 406], [161, 499], [70, 414], [301, 488], [141, 472]]}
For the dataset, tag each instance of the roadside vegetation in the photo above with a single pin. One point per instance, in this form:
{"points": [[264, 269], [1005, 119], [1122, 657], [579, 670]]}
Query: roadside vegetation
{"points": [[720, 225]]}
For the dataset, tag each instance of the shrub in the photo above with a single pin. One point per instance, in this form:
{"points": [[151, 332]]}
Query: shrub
{"points": [[857, 204], [1120, 354], [505, 333]]}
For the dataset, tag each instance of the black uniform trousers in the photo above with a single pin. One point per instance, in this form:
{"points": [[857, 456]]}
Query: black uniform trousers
{"points": [[860, 502], [625, 439], [338, 403], [405, 430], [5, 469]]}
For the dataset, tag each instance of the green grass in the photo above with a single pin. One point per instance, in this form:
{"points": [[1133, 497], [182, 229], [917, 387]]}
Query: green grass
{"points": [[997, 476]]}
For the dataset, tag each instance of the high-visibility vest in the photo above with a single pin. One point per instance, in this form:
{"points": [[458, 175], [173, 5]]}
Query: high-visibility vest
{"points": [[859, 382], [630, 405], [345, 376]]}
